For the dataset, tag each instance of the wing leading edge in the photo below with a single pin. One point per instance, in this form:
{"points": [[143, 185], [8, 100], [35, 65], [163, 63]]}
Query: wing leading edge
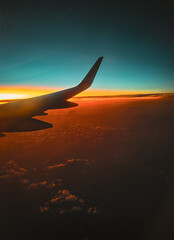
{"points": [[82, 86], [28, 108]]}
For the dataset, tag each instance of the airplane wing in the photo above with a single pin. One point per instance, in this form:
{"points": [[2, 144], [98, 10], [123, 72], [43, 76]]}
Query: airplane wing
{"points": [[30, 107]]}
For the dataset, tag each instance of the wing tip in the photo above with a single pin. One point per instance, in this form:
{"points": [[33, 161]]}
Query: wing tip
{"points": [[100, 58], [89, 78]]}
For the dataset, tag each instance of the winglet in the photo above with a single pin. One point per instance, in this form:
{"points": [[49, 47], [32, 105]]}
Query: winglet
{"points": [[89, 78], [85, 83]]}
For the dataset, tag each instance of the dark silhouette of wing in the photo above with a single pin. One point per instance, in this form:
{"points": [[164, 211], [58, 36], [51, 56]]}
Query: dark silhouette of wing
{"points": [[27, 125], [27, 108]]}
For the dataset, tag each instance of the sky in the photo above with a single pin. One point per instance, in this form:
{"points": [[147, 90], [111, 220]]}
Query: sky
{"points": [[53, 44]]}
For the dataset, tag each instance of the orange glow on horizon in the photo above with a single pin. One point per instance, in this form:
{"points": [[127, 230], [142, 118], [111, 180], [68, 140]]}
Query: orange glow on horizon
{"points": [[20, 92]]}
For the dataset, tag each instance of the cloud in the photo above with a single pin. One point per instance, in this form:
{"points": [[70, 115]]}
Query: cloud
{"points": [[51, 185], [71, 198], [66, 201], [44, 209], [59, 200], [18, 172], [69, 210], [55, 199], [73, 160], [76, 208], [70, 203], [25, 181], [92, 210], [37, 185], [11, 169], [69, 162], [65, 196], [56, 166]]}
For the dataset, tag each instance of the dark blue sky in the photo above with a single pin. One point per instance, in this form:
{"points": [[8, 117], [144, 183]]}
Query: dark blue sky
{"points": [[54, 43]]}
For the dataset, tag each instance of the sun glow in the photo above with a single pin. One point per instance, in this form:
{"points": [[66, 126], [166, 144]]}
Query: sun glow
{"points": [[21, 92], [9, 96]]}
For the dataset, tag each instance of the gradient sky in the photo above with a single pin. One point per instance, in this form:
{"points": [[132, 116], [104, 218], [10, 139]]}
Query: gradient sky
{"points": [[54, 43]]}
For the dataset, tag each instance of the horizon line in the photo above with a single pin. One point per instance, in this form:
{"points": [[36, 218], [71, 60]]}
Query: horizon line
{"points": [[13, 92], [145, 95]]}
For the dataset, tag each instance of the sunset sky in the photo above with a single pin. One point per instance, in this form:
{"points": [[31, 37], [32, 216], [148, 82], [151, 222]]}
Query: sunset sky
{"points": [[97, 164], [51, 45]]}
